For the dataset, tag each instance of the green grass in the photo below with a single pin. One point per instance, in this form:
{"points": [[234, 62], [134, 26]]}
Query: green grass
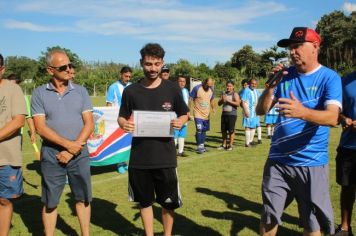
{"points": [[220, 189]]}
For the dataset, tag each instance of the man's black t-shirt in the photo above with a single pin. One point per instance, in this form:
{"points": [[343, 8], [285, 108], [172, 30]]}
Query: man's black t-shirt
{"points": [[152, 153]]}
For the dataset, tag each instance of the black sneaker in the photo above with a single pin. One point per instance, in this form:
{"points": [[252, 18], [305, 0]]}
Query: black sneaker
{"points": [[259, 141], [341, 232]]}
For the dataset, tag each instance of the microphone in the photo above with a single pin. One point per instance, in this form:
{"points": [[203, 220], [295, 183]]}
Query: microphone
{"points": [[277, 77]]}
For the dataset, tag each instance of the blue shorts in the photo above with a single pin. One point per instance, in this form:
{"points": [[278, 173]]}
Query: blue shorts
{"points": [[270, 119], [202, 125], [251, 123], [54, 177], [10, 182], [181, 133]]}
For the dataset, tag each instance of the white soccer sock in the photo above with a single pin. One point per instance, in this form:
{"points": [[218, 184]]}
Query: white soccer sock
{"points": [[259, 133], [175, 142], [247, 136], [269, 130], [272, 130], [180, 145], [252, 134]]}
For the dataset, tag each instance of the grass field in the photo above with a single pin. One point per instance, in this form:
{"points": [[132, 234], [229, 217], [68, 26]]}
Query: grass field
{"points": [[220, 189]]}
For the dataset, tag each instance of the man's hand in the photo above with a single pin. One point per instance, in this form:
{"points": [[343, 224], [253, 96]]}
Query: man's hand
{"points": [[291, 107], [64, 157], [176, 124], [74, 147], [129, 126]]}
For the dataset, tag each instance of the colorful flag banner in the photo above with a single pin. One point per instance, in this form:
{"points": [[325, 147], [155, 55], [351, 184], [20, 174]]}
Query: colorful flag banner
{"points": [[108, 144]]}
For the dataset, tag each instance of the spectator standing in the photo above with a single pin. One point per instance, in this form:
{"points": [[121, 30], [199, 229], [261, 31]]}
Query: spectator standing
{"points": [[270, 121], [181, 134], [62, 114], [230, 100], [114, 97], [202, 99], [251, 121], [165, 72], [12, 118], [346, 155]]}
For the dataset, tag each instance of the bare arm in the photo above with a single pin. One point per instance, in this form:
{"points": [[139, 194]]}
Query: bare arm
{"points": [[179, 122], [212, 105], [12, 126], [265, 102], [125, 124], [47, 133], [293, 108], [221, 100], [245, 108], [32, 129], [237, 101], [87, 130]]}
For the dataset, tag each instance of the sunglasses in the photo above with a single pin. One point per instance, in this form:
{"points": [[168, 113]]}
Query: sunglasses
{"points": [[63, 68]]}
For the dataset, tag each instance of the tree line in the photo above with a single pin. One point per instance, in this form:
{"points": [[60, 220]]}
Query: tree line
{"points": [[338, 51]]}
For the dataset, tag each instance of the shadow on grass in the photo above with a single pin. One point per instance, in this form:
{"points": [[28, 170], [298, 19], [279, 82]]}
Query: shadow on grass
{"points": [[35, 165], [239, 220], [29, 207], [104, 215], [185, 226], [97, 170]]}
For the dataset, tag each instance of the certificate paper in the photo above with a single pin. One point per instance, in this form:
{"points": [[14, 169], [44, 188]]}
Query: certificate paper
{"points": [[153, 123]]}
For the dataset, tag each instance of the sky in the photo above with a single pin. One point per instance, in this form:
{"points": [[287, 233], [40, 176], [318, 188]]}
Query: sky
{"points": [[200, 31]]}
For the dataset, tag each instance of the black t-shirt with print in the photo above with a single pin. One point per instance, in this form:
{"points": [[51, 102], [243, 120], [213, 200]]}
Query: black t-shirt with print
{"points": [[153, 153]]}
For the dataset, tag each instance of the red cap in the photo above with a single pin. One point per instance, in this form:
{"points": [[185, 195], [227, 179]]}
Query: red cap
{"points": [[300, 35]]}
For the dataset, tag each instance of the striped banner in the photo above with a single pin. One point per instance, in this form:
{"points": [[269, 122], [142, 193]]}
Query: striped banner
{"points": [[109, 144]]}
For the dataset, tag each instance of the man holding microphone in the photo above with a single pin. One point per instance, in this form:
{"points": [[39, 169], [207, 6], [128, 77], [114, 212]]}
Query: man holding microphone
{"points": [[309, 100]]}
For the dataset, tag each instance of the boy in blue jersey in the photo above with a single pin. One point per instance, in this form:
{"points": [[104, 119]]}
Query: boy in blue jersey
{"points": [[346, 155], [249, 98], [309, 101], [114, 95], [113, 98], [181, 134]]}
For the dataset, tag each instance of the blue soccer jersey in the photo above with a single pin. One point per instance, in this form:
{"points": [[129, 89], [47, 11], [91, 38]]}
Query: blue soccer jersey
{"points": [[348, 136], [297, 142], [114, 94], [250, 96]]}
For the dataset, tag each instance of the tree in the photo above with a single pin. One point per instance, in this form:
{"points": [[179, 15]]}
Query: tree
{"points": [[246, 61], [23, 67], [338, 47]]}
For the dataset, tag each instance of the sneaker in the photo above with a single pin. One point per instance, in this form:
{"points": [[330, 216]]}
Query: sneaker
{"points": [[341, 232], [201, 150], [259, 141], [221, 147], [229, 148], [121, 170], [181, 154], [269, 137]]}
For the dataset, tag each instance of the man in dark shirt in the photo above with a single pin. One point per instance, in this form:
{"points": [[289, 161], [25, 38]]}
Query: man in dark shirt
{"points": [[152, 167]]}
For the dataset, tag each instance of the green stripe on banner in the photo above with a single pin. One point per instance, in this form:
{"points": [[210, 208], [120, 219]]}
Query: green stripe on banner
{"points": [[115, 159]]}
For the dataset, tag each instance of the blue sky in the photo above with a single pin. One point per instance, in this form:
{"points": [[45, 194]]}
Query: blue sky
{"points": [[201, 31]]}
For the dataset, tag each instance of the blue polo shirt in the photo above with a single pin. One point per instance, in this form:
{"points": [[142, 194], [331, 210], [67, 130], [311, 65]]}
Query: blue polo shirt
{"points": [[63, 112], [297, 142], [348, 136]]}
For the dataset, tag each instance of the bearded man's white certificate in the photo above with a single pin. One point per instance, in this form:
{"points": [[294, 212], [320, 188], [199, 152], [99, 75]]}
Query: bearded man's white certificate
{"points": [[153, 123]]}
